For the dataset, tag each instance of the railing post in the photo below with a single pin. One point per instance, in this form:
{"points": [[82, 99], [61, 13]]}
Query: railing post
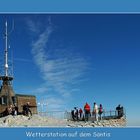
{"points": [[115, 113], [104, 113], [124, 113]]}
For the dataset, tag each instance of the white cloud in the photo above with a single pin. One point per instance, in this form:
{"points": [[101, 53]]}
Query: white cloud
{"points": [[33, 26], [61, 69]]}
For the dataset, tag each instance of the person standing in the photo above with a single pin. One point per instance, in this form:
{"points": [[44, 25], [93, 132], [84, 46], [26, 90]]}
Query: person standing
{"points": [[95, 111], [73, 115], [100, 111], [76, 113], [87, 111], [121, 112], [118, 109], [80, 112]]}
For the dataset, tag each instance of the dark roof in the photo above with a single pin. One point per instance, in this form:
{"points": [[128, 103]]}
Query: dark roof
{"points": [[25, 95]]}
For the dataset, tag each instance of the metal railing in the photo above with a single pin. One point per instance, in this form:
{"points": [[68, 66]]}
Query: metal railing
{"points": [[111, 114]]}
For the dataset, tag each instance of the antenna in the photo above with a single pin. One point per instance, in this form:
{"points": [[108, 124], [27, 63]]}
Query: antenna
{"points": [[6, 50], [6, 47], [6, 89]]}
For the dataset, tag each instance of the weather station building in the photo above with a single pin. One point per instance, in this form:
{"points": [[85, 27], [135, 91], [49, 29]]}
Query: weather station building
{"points": [[7, 95]]}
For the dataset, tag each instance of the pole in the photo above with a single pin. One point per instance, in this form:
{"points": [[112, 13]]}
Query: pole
{"points": [[6, 50]]}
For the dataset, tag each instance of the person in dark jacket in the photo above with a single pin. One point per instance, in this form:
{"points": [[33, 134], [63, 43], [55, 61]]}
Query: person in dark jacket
{"points": [[118, 109], [76, 113], [26, 109], [100, 111], [73, 115], [121, 112]]}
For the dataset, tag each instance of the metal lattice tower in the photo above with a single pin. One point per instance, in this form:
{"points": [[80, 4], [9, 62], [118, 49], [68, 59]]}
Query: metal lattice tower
{"points": [[6, 90]]}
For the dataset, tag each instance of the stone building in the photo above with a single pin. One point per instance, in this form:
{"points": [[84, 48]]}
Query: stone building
{"points": [[22, 99], [7, 95]]}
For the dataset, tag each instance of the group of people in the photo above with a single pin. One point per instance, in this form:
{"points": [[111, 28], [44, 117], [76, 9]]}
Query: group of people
{"points": [[84, 114], [13, 110], [95, 112]]}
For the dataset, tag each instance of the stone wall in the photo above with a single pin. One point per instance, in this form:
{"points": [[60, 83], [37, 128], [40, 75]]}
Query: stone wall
{"points": [[23, 99]]}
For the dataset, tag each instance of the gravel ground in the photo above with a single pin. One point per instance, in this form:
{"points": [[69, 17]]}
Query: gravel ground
{"points": [[35, 120], [39, 121]]}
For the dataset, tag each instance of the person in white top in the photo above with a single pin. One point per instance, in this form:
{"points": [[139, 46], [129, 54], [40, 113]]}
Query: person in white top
{"points": [[95, 111]]}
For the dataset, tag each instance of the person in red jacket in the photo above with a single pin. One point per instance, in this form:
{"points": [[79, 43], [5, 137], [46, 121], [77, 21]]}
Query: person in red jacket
{"points": [[87, 111]]}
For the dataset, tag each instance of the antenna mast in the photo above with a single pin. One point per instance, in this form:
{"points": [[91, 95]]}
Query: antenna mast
{"points": [[6, 88], [6, 34], [6, 51]]}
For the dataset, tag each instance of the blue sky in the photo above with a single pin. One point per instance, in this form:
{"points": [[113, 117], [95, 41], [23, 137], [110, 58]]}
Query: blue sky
{"points": [[69, 59]]}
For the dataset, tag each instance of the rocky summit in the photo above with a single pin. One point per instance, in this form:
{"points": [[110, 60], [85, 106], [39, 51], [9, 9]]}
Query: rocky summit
{"points": [[39, 121]]}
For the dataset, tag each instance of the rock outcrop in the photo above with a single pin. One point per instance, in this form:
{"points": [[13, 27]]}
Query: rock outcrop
{"points": [[39, 121]]}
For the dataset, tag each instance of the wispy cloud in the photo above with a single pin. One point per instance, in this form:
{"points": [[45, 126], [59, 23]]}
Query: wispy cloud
{"points": [[61, 68], [33, 26]]}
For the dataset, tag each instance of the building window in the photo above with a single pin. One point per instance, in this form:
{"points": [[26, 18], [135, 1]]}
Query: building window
{"points": [[14, 100], [3, 100]]}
